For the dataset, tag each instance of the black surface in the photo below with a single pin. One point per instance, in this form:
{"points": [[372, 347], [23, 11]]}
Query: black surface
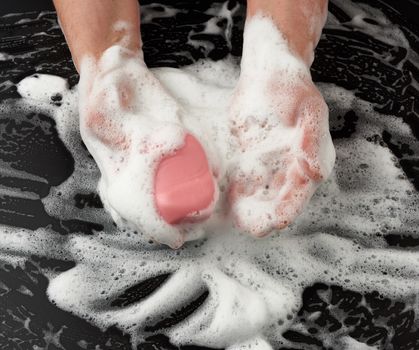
{"points": [[368, 318], [18, 6]]}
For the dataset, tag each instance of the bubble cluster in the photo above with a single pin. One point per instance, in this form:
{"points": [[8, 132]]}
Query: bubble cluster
{"points": [[248, 290]]}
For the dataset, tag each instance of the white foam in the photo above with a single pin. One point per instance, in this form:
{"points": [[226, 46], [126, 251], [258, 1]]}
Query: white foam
{"points": [[255, 285], [128, 138], [43, 90], [4, 56], [271, 273]]}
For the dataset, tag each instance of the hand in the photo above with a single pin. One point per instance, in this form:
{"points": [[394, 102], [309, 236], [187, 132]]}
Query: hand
{"points": [[129, 122], [280, 123]]}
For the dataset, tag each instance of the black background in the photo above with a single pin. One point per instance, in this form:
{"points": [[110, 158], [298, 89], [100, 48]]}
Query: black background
{"points": [[369, 316]]}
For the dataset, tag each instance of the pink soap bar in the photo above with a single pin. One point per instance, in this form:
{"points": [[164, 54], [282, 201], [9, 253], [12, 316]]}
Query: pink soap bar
{"points": [[183, 186]]}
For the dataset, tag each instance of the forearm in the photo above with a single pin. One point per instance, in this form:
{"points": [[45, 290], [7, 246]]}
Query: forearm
{"points": [[300, 21], [92, 26]]}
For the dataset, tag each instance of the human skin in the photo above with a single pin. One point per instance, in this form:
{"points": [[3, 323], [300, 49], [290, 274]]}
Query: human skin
{"points": [[298, 104], [89, 25], [300, 21], [89, 28]]}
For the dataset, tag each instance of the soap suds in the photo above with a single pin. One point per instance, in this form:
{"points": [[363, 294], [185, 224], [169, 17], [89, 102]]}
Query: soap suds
{"points": [[275, 108], [254, 286], [128, 137]]}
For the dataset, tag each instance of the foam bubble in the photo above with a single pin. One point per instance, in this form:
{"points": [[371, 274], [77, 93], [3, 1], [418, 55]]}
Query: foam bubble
{"points": [[254, 286]]}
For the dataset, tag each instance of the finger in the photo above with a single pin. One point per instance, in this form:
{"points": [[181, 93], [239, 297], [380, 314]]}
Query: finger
{"points": [[244, 182], [315, 133], [125, 94], [253, 198], [299, 189]]}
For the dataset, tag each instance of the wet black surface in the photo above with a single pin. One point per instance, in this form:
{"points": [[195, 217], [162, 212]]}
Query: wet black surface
{"points": [[30, 142]]}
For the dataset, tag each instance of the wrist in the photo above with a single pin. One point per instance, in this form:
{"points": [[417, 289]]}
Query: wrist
{"points": [[92, 26], [95, 50], [299, 21], [266, 52]]}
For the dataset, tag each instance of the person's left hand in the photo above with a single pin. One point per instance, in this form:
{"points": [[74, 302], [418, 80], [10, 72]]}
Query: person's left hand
{"points": [[280, 124]]}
